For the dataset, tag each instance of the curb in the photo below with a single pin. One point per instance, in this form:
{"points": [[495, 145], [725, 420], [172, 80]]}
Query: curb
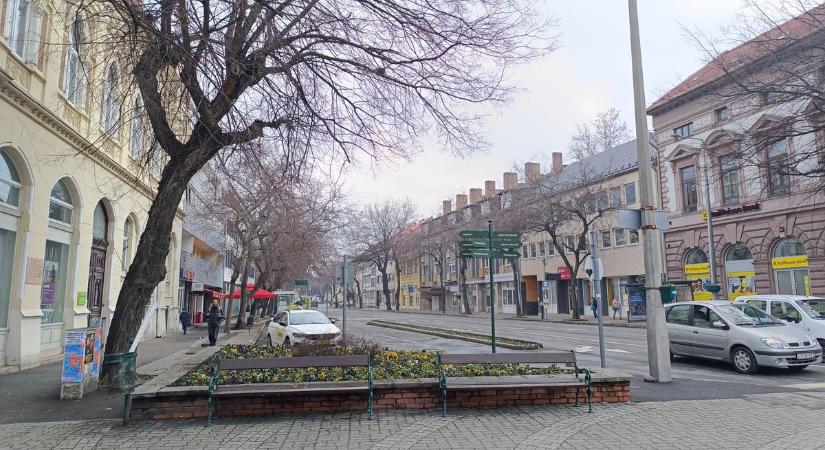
{"points": [[503, 342]]}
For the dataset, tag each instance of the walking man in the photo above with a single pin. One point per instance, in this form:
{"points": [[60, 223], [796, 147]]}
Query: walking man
{"points": [[616, 308], [594, 306], [185, 320], [214, 318]]}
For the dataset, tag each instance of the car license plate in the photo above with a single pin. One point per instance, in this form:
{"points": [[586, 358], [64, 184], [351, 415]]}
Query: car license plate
{"points": [[805, 355]]}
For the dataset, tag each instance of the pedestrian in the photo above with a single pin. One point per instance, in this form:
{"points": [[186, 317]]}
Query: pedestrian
{"points": [[214, 318], [616, 308], [594, 306], [185, 320]]}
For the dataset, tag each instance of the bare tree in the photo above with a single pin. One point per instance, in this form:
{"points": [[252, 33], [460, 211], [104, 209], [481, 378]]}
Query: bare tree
{"points": [[375, 236], [315, 78], [604, 132]]}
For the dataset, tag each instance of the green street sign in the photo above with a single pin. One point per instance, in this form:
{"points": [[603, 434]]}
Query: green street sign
{"points": [[484, 253], [481, 234], [303, 282], [485, 244]]}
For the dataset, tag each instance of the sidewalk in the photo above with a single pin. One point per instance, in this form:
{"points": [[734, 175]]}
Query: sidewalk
{"points": [[696, 424], [554, 318], [33, 395]]}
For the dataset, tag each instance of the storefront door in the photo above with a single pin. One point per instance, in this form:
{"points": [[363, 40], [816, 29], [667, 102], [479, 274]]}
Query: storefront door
{"points": [[97, 271], [791, 281]]}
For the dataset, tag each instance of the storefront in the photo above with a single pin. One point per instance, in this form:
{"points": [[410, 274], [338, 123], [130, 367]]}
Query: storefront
{"points": [[739, 272], [697, 269], [789, 264]]}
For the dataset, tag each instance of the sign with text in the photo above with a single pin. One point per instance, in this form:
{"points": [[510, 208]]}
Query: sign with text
{"points": [[477, 243], [789, 262], [564, 273]]}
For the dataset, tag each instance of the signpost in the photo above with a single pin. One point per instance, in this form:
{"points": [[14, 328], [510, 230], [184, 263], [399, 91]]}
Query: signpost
{"points": [[594, 270], [489, 245]]}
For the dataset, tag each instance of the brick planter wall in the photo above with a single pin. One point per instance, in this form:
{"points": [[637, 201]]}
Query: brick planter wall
{"points": [[184, 403]]}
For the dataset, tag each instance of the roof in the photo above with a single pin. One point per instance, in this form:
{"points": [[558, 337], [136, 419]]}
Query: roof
{"points": [[618, 159], [783, 35]]}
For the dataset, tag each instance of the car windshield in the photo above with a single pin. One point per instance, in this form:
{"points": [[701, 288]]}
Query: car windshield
{"points": [[744, 314], [815, 307], [307, 318]]}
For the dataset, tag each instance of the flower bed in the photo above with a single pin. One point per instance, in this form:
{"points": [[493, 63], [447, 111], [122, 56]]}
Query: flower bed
{"points": [[387, 365]]}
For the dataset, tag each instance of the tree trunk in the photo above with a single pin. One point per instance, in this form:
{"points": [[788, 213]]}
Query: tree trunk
{"points": [[360, 295], [385, 286], [463, 289], [574, 298], [229, 300], [148, 267], [443, 275], [517, 283], [239, 323], [397, 286]]}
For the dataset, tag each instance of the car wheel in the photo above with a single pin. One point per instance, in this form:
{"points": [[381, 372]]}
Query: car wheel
{"points": [[286, 342], [743, 360], [797, 368], [269, 338]]}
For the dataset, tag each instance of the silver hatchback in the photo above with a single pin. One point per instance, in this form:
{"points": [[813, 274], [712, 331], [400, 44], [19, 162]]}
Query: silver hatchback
{"points": [[738, 333]]}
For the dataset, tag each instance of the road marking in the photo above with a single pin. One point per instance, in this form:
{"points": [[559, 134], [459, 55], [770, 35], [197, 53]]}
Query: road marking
{"points": [[583, 349], [811, 386], [617, 350]]}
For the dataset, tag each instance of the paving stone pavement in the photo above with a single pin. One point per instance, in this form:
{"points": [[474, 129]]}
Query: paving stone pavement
{"points": [[758, 422]]}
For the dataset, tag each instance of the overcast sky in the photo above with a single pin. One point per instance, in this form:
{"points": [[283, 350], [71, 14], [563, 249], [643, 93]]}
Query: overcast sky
{"points": [[589, 73]]}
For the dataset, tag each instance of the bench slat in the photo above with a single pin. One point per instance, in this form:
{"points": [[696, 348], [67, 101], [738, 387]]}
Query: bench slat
{"points": [[509, 358], [289, 388], [295, 362]]}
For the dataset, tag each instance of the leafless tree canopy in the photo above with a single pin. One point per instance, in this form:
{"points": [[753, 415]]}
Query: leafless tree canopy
{"points": [[605, 131]]}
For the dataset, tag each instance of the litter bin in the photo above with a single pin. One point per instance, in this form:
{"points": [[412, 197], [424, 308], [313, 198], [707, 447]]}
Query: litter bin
{"points": [[121, 369], [250, 320]]}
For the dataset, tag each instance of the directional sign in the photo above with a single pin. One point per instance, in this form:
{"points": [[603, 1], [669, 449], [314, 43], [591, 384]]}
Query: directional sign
{"points": [[484, 253], [481, 234]]}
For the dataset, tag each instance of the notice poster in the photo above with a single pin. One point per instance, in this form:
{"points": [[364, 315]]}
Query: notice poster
{"points": [[699, 274], [638, 305], [741, 283], [74, 349]]}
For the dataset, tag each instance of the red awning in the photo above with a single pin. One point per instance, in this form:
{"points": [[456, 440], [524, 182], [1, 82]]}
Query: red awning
{"points": [[215, 294], [260, 294]]}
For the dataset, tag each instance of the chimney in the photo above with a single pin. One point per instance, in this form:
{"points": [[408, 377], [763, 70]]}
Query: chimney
{"points": [[489, 188], [558, 163], [532, 171], [510, 180], [446, 207], [475, 196], [460, 201]]}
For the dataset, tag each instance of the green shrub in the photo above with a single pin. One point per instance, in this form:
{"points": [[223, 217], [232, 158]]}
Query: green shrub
{"points": [[387, 365]]}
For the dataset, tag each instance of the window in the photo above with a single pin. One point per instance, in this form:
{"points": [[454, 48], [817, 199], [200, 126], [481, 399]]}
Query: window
{"points": [[758, 304], [524, 251], [683, 131], [729, 167], [616, 196], [678, 314], [571, 243], [60, 203], [127, 245], [485, 208], [532, 250], [620, 236], [778, 179], [9, 181], [606, 239], [703, 317], [634, 235], [690, 198], [541, 249], [630, 193], [53, 289], [100, 223], [24, 23], [111, 109], [156, 161], [506, 200], [603, 200], [696, 256], [75, 79], [722, 114], [7, 240]]}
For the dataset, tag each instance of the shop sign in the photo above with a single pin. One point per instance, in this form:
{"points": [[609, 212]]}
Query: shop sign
{"points": [[700, 275], [731, 211], [564, 273], [187, 274], [789, 262], [638, 304]]}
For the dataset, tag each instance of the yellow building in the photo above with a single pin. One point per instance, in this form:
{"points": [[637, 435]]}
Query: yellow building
{"points": [[73, 197]]}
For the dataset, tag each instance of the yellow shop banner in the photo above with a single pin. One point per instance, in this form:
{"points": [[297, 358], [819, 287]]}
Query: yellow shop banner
{"points": [[788, 262]]}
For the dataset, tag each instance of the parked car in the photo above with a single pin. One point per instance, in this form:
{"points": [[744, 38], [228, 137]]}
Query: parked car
{"points": [[293, 327], [740, 334], [805, 313]]}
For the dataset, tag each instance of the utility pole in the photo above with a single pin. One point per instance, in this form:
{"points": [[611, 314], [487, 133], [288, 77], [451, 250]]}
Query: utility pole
{"points": [[597, 292], [711, 246], [344, 296], [658, 351], [492, 289]]}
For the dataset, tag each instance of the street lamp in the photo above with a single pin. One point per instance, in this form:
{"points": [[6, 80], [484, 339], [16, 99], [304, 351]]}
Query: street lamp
{"points": [[711, 246]]}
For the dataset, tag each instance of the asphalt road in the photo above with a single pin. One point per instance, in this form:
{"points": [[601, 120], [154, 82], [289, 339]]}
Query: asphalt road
{"points": [[626, 351]]}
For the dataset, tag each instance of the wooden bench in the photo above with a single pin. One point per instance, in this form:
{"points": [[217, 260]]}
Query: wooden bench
{"points": [[334, 387], [566, 358]]}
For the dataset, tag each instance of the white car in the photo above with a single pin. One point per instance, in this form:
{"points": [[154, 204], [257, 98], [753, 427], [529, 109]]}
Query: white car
{"points": [[807, 314], [298, 326]]}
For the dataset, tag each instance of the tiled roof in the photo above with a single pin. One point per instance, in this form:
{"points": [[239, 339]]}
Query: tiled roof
{"points": [[612, 161], [738, 57]]}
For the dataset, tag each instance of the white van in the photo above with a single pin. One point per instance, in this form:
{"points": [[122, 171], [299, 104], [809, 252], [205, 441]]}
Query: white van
{"points": [[805, 313]]}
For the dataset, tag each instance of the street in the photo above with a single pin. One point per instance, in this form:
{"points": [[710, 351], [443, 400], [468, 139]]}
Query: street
{"points": [[626, 351]]}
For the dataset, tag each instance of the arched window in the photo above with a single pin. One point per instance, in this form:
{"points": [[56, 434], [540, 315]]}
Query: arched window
{"points": [[790, 267], [128, 226], [100, 223], [137, 134], [75, 79], [111, 107], [9, 181], [60, 203], [740, 271], [696, 256]]}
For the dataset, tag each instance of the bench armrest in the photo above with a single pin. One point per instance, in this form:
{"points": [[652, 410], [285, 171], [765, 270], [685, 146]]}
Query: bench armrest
{"points": [[215, 379]]}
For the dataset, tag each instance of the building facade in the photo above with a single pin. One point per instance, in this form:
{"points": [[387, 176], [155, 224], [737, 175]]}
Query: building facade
{"points": [[74, 189], [767, 222]]}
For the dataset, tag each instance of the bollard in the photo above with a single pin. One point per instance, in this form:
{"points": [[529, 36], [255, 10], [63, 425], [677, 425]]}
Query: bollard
{"points": [[122, 373]]}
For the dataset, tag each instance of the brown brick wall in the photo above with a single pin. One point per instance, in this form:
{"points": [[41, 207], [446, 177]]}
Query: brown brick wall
{"points": [[187, 406]]}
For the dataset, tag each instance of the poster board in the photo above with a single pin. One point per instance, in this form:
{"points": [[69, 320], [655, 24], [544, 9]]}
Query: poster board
{"points": [[82, 354]]}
